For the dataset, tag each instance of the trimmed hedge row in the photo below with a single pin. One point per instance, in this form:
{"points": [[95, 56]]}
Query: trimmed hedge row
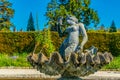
{"points": [[105, 42], [13, 42], [19, 42], [102, 40]]}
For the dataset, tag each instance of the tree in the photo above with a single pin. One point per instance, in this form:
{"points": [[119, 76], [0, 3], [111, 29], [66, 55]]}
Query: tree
{"points": [[30, 25], [37, 24], [51, 9], [79, 8], [113, 27], [6, 13], [14, 29], [102, 28]]}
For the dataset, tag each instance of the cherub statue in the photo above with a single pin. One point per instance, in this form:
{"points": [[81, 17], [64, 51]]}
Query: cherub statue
{"points": [[71, 43]]}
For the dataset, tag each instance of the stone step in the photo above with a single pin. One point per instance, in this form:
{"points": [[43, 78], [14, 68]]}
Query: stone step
{"points": [[34, 74]]}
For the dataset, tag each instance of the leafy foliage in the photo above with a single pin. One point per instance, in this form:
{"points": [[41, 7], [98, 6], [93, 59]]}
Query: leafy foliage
{"points": [[6, 13], [47, 44], [78, 8], [30, 25], [44, 43]]}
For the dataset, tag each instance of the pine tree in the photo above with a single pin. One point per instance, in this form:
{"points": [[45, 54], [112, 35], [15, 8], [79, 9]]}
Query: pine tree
{"points": [[37, 24], [6, 13], [79, 8], [30, 25], [102, 28], [113, 27]]}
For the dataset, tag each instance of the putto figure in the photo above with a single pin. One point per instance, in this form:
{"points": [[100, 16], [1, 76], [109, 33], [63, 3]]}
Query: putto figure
{"points": [[71, 43]]}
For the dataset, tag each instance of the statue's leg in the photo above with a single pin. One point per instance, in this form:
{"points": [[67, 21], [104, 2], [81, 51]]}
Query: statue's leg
{"points": [[62, 51], [71, 48]]}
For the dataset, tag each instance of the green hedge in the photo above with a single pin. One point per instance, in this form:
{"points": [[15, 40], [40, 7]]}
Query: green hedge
{"points": [[11, 42], [105, 42], [102, 40]]}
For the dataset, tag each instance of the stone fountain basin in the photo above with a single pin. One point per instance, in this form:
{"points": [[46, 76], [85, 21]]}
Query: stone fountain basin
{"points": [[76, 65]]}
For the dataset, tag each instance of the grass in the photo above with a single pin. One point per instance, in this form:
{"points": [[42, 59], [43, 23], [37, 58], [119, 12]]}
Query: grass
{"points": [[114, 65], [15, 60], [21, 61]]}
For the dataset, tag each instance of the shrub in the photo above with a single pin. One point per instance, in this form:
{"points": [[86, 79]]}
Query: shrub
{"points": [[11, 42], [102, 40], [45, 43], [19, 42]]}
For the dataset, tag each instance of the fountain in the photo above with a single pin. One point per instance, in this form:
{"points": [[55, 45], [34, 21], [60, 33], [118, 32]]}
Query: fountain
{"points": [[71, 60]]}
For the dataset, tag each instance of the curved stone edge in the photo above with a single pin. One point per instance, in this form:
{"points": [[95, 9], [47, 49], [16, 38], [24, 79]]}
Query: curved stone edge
{"points": [[85, 65]]}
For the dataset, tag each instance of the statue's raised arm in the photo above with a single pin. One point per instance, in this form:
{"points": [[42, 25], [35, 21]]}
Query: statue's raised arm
{"points": [[59, 24]]}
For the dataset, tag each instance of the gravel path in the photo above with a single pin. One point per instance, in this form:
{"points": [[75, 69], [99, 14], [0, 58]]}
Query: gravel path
{"points": [[33, 74]]}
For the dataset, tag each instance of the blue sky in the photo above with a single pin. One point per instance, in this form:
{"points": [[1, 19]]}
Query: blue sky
{"points": [[108, 10]]}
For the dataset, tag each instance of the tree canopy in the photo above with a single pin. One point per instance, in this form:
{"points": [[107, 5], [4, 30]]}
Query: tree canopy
{"points": [[6, 13], [79, 8]]}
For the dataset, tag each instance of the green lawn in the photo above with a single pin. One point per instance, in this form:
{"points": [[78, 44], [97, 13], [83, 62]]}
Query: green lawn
{"points": [[115, 64], [15, 60], [19, 60]]}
